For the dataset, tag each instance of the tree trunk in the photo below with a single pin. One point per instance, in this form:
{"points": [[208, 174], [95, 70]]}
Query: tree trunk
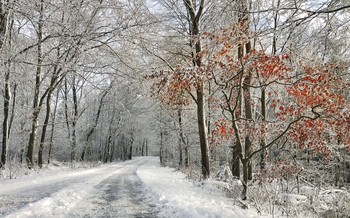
{"points": [[21, 153], [36, 106], [161, 149], [143, 147], [100, 153], [43, 133], [53, 119], [202, 132], [194, 28], [125, 155], [236, 171], [5, 124], [7, 92], [237, 146], [66, 113], [181, 137], [112, 151], [130, 152], [187, 156], [146, 147], [237, 149], [248, 115], [180, 157], [245, 164], [245, 48], [107, 150], [75, 119], [263, 154]]}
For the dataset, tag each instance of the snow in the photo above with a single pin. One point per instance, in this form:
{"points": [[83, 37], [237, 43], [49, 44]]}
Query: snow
{"points": [[52, 206], [142, 188], [64, 192], [176, 196], [73, 186]]}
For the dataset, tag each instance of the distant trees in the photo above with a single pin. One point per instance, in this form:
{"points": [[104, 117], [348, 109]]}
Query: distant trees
{"points": [[64, 54]]}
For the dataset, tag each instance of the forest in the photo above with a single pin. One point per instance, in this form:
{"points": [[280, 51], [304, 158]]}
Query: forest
{"points": [[248, 90]]}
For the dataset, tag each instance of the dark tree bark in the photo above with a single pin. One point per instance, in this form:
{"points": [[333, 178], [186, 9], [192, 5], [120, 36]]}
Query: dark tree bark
{"points": [[43, 133], [109, 143], [194, 28], [263, 155], [161, 149], [243, 19], [36, 106], [75, 119], [112, 151], [53, 119], [5, 124], [181, 143], [66, 112], [131, 143], [51, 88], [4, 16], [187, 157]]}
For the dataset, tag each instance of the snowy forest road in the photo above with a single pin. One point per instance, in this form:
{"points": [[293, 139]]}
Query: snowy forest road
{"points": [[120, 195], [112, 190]]}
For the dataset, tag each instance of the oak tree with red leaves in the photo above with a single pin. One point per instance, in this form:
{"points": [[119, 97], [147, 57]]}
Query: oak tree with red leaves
{"points": [[306, 101], [302, 102]]}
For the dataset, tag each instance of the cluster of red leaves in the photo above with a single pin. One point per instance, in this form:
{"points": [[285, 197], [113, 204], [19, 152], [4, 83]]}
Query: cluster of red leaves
{"points": [[269, 68], [169, 88], [319, 87], [314, 91], [313, 135], [318, 94], [223, 132]]}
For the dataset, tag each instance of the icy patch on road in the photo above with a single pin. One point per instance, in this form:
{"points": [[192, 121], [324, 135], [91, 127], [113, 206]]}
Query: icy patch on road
{"points": [[175, 196]]}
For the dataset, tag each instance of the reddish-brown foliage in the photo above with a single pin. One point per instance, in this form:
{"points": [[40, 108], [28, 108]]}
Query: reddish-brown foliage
{"points": [[305, 101]]}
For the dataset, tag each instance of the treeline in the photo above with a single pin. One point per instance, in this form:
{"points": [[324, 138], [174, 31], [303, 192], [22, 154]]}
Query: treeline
{"points": [[70, 86]]}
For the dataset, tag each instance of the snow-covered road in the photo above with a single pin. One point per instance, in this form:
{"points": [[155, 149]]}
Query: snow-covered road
{"points": [[120, 195], [112, 190], [135, 188]]}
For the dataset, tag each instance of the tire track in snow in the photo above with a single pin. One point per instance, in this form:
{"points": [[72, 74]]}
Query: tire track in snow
{"points": [[121, 195]]}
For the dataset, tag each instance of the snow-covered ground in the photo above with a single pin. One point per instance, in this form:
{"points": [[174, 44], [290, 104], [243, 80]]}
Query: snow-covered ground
{"points": [[176, 196], [136, 188]]}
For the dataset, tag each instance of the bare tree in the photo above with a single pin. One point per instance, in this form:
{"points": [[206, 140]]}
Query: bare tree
{"points": [[5, 43]]}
